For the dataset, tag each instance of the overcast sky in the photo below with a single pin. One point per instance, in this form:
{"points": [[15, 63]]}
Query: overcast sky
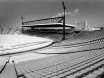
{"points": [[76, 10]]}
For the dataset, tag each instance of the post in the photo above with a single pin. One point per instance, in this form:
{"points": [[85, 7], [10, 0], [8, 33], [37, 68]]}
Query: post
{"points": [[2, 31], [85, 25], [22, 30], [63, 21], [22, 18], [22, 23]]}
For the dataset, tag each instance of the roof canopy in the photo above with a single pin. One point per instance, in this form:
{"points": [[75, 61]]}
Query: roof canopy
{"points": [[50, 25], [43, 21], [48, 22]]}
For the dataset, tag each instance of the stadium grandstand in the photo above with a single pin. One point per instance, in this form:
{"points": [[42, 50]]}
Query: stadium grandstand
{"points": [[36, 50]]}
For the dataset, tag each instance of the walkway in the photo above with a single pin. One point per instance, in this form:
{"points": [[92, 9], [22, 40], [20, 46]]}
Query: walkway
{"points": [[9, 71]]}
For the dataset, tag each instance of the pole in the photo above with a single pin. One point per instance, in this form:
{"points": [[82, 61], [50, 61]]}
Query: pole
{"points": [[22, 30], [63, 21], [22, 23], [22, 19]]}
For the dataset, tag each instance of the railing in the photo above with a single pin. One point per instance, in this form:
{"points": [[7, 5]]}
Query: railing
{"points": [[15, 69]]}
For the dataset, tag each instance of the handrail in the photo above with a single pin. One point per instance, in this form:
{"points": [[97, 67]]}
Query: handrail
{"points": [[15, 69]]}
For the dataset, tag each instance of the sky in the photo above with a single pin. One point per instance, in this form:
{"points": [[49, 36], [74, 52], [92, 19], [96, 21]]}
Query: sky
{"points": [[91, 11]]}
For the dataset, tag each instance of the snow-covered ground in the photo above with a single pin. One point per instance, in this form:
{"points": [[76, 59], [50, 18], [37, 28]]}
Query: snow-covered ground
{"points": [[19, 42]]}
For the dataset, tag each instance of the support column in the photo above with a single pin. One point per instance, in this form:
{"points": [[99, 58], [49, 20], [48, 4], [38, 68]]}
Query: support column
{"points": [[22, 30], [22, 18], [85, 25], [32, 28], [1, 30], [22, 23]]}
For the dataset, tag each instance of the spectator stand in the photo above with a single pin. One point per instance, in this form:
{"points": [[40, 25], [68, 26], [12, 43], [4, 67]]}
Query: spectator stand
{"points": [[49, 25]]}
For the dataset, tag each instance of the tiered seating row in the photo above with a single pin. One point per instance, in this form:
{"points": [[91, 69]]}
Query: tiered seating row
{"points": [[89, 46], [29, 56], [80, 44], [37, 63], [89, 35], [84, 36], [88, 68], [79, 47], [24, 48], [13, 31], [54, 36], [60, 65], [58, 37], [86, 45], [30, 44], [7, 30], [24, 45]]}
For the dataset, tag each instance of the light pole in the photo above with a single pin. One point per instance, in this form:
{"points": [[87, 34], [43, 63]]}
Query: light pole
{"points": [[22, 23], [63, 21], [22, 18]]}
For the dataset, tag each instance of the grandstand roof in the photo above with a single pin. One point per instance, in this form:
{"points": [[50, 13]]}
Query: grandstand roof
{"points": [[48, 22], [50, 25]]}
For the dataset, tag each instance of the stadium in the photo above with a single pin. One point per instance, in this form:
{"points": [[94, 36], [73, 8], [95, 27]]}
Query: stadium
{"points": [[38, 51], [50, 48]]}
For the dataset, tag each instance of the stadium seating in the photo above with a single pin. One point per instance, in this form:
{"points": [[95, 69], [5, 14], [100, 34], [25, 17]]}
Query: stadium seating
{"points": [[83, 36], [11, 31], [85, 61], [7, 30], [54, 36], [64, 65], [78, 47]]}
